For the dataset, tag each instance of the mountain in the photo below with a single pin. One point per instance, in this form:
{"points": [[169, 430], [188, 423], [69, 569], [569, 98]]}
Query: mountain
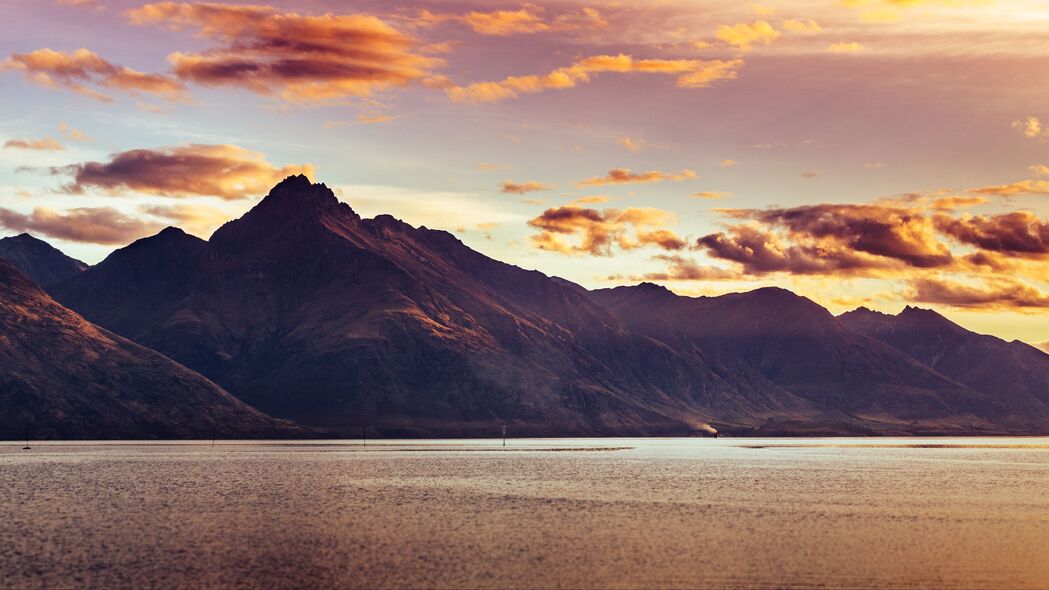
{"points": [[1014, 373], [306, 311], [62, 377], [40, 261], [803, 348]]}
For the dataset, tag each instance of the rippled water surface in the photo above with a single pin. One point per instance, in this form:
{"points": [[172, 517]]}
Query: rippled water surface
{"points": [[539, 513]]}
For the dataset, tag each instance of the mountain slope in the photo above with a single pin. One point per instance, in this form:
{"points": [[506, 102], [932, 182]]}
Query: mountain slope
{"points": [[306, 311], [40, 261], [800, 346], [62, 377], [1014, 373]]}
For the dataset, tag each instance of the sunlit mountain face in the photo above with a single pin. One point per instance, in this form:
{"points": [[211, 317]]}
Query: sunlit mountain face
{"points": [[874, 153]]}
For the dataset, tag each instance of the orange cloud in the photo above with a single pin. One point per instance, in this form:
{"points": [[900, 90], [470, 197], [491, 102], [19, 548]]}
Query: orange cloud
{"points": [[599, 231], [691, 73], [300, 58], [81, 70], [47, 144], [224, 171], [626, 176], [746, 35], [524, 187], [92, 225], [710, 195]]}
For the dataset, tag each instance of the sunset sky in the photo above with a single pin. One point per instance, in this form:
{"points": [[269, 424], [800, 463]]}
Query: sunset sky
{"points": [[859, 152]]}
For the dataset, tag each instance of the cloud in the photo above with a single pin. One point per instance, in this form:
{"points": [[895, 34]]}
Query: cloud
{"points": [[633, 145], [810, 175], [300, 58], [801, 26], [1023, 187], [524, 187], [73, 134], [84, 71], [373, 119], [680, 268], [526, 20], [829, 239], [710, 195], [746, 35], [199, 220], [1030, 127], [691, 73], [995, 294], [728, 163], [102, 225], [1019, 233], [47, 144], [845, 47], [626, 176], [600, 231], [590, 200], [1039, 170], [224, 171]]}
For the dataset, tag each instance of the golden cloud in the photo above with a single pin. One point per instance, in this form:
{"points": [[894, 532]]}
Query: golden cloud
{"points": [[47, 144], [81, 70], [691, 73], [224, 171], [746, 35], [526, 20], [599, 231], [92, 225], [801, 26], [300, 58], [626, 176], [1030, 127]]}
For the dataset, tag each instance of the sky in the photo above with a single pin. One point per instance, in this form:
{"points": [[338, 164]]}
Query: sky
{"points": [[880, 153]]}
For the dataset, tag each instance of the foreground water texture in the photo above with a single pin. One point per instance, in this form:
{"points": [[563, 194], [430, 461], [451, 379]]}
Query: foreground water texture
{"points": [[539, 513]]}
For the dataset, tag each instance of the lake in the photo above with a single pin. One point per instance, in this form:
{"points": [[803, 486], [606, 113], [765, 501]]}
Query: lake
{"points": [[594, 513]]}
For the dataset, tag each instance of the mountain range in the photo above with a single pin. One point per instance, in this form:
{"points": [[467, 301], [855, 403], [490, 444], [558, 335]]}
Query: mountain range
{"points": [[309, 313]]}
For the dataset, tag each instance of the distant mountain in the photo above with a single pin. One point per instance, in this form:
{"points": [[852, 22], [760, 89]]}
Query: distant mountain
{"points": [[801, 347], [1014, 373], [62, 377], [308, 312], [40, 261]]}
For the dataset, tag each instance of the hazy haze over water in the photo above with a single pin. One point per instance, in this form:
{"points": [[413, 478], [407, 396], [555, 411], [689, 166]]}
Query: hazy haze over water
{"points": [[541, 513]]}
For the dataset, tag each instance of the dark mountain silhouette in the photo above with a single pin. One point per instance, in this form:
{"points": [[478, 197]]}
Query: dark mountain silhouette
{"points": [[62, 377], [1015, 373], [41, 262], [306, 311], [801, 347]]}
